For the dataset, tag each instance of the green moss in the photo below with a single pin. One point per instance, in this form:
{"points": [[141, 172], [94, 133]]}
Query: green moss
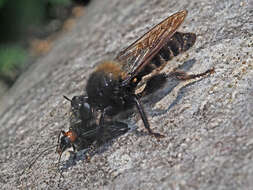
{"points": [[12, 59], [61, 2]]}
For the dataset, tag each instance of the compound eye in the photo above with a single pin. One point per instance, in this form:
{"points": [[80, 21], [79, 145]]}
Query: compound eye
{"points": [[86, 106], [76, 102], [85, 111], [65, 143]]}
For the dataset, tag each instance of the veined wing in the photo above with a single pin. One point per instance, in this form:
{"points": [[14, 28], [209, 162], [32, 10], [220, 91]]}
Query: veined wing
{"points": [[139, 53]]}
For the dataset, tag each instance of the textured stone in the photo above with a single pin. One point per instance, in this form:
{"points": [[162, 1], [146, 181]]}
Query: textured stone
{"points": [[208, 123]]}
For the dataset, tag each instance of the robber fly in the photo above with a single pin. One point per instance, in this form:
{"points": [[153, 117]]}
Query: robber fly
{"points": [[111, 88]]}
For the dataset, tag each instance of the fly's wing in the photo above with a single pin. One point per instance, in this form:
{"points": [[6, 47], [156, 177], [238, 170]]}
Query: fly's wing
{"points": [[116, 128], [140, 53], [111, 130]]}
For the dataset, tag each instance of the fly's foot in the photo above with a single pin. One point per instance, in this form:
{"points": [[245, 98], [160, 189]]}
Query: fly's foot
{"points": [[181, 75], [157, 135]]}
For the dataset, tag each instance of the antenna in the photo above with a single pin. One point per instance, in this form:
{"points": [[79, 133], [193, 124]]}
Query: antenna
{"points": [[67, 98]]}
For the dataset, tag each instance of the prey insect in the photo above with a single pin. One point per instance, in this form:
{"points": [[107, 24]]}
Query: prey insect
{"points": [[84, 133], [112, 87]]}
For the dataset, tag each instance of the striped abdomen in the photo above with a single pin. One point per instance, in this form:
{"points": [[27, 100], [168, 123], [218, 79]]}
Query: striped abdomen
{"points": [[178, 43]]}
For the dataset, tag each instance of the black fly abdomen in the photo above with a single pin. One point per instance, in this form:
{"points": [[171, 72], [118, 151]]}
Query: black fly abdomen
{"points": [[178, 43]]}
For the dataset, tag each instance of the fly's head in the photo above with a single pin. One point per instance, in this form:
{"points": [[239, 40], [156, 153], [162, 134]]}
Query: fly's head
{"points": [[80, 108], [65, 141]]}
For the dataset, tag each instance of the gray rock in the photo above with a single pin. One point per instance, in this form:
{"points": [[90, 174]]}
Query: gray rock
{"points": [[208, 123]]}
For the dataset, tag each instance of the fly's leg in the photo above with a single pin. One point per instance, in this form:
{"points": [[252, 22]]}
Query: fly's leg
{"points": [[145, 119], [184, 76], [102, 121]]}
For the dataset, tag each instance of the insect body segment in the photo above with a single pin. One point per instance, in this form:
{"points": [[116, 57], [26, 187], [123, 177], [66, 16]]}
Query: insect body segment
{"points": [[178, 43]]}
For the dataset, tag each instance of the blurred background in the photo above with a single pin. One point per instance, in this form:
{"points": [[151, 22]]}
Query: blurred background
{"points": [[28, 29]]}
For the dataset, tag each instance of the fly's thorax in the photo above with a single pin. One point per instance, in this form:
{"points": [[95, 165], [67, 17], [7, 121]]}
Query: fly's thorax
{"points": [[74, 118], [112, 68], [104, 87]]}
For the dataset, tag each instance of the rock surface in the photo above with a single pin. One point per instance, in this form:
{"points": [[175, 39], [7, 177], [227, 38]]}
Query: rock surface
{"points": [[208, 123]]}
